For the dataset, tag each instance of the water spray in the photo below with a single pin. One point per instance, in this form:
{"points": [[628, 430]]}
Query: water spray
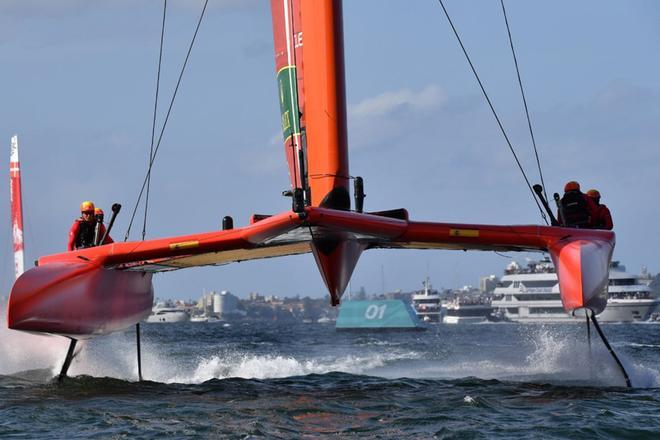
{"points": [[609, 347]]}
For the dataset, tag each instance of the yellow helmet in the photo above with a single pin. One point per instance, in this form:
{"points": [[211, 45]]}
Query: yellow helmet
{"points": [[87, 206]]}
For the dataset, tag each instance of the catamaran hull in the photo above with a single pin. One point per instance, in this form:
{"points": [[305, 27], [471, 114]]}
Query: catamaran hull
{"points": [[583, 272], [79, 300]]}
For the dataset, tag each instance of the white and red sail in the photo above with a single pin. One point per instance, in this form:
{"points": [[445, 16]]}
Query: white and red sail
{"points": [[287, 36], [16, 207]]}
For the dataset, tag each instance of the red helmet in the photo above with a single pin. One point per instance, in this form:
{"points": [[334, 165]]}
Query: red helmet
{"points": [[87, 206], [593, 193], [98, 211], [571, 186]]}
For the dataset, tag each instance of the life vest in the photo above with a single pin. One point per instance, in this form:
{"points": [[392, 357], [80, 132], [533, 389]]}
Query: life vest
{"points": [[575, 210], [603, 218], [85, 237]]}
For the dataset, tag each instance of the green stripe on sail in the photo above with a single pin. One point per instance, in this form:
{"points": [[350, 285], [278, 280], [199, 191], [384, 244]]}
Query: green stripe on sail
{"points": [[289, 110]]}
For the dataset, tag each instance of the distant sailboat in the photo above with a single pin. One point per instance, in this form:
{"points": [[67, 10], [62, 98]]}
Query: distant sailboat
{"points": [[16, 208]]}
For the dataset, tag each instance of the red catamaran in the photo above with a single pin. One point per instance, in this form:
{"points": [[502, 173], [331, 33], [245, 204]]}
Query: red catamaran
{"points": [[98, 290]]}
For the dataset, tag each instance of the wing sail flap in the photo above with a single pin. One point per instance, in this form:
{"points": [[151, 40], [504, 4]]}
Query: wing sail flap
{"points": [[220, 257], [142, 252]]}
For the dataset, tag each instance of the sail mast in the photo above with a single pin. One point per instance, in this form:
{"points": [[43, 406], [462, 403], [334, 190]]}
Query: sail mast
{"points": [[16, 207], [325, 103], [309, 60]]}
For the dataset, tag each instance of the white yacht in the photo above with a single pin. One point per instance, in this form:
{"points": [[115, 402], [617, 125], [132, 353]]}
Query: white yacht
{"points": [[204, 318], [531, 294], [426, 304], [629, 298], [466, 310], [163, 312]]}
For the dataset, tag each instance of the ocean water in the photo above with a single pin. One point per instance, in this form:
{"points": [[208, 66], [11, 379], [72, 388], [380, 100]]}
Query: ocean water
{"points": [[277, 380]]}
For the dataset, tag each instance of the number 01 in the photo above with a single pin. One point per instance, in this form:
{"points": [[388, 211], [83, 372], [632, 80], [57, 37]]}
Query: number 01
{"points": [[375, 312]]}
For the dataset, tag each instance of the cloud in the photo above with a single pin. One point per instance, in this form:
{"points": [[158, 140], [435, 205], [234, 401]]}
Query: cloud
{"points": [[389, 115], [263, 161], [620, 94], [389, 103], [275, 139]]}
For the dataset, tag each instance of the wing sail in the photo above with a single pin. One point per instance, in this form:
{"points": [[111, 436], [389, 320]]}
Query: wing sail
{"points": [[287, 36]]}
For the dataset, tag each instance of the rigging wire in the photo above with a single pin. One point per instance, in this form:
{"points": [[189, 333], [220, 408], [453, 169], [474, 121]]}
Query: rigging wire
{"points": [[492, 108], [167, 116], [153, 123], [522, 93]]}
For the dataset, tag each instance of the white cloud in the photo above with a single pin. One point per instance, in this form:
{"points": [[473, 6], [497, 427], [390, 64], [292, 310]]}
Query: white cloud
{"points": [[375, 120], [390, 102], [275, 139], [259, 161]]}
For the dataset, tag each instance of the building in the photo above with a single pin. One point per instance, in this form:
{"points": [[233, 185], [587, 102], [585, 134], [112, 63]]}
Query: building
{"points": [[488, 283]]}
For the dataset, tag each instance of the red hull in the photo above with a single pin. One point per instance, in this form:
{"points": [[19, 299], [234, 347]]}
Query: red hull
{"points": [[79, 299], [583, 270]]}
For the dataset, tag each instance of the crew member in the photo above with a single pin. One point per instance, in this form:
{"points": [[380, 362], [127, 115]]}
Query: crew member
{"points": [[603, 218], [576, 209], [81, 234]]}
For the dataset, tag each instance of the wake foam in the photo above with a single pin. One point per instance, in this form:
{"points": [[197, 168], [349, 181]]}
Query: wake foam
{"points": [[251, 366], [554, 358], [20, 351], [118, 359], [542, 356]]}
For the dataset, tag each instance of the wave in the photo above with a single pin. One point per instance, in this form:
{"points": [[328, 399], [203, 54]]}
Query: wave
{"points": [[639, 345], [539, 355], [116, 357], [250, 366], [555, 358]]}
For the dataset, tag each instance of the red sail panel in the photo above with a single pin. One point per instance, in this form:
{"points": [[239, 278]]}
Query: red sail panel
{"points": [[16, 207], [288, 39], [325, 103]]}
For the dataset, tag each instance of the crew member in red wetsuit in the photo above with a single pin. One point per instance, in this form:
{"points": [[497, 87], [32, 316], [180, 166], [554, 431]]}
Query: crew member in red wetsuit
{"points": [[577, 210], [603, 216], [81, 234]]}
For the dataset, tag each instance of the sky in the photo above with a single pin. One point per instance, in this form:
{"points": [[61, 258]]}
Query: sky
{"points": [[77, 84]]}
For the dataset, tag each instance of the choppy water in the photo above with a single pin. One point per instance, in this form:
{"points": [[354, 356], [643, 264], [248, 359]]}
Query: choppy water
{"points": [[306, 380]]}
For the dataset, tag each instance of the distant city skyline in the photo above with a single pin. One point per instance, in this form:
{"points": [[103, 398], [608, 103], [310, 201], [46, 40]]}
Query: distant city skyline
{"points": [[78, 88]]}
